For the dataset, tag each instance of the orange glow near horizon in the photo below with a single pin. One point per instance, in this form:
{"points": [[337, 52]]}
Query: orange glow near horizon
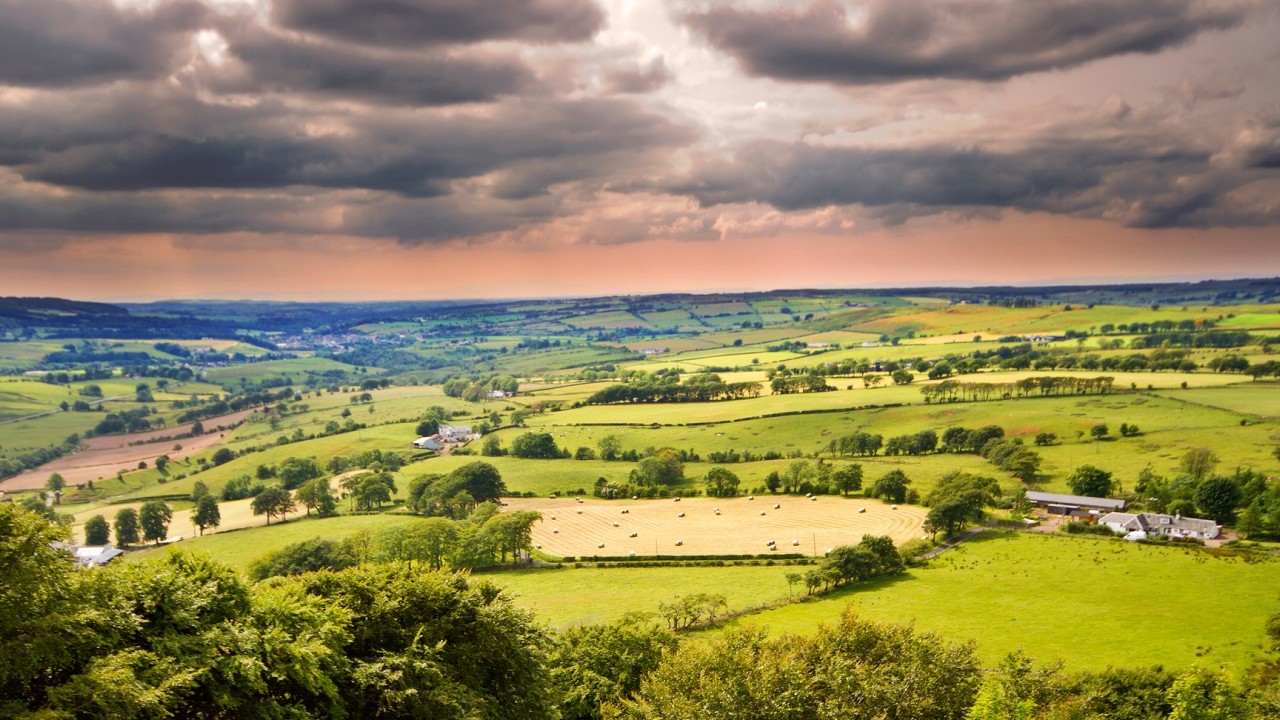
{"points": [[1016, 250]]}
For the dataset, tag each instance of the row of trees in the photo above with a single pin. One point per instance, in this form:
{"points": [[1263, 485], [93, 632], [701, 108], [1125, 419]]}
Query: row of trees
{"points": [[957, 391], [874, 556], [484, 538], [667, 388]]}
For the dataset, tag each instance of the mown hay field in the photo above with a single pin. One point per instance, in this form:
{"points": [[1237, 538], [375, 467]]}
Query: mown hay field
{"points": [[743, 526]]}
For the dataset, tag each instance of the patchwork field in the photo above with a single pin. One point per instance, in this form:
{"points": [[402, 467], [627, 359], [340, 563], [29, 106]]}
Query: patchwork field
{"points": [[104, 456], [714, 526], [1092, 603]]}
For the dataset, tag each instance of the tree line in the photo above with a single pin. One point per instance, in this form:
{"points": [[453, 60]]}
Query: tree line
{"points": [[1051, 385], [665, 388], [187, 637]]}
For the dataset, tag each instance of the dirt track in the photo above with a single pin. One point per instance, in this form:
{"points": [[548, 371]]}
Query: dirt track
{"points": [[108, 454], [813, 525]]}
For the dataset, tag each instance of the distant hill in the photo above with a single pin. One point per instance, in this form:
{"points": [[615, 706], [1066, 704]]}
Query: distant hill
{"points": [[47, 308]]}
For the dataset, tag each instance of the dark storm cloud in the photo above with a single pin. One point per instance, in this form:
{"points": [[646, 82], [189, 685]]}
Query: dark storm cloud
{"points": [[1121, 180], [987, 40], [424, 23], [412, 153], [271, 62], [205, 213], [61, 43]]}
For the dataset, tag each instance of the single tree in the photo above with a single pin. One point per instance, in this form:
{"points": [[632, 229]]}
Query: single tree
{"points": [[1199, 463], [1218, 497], [1090, 481], [271, 502], [154, 518], [373, 491], [315, 494], [55, 485], [848, 479], [721, 482], [891, 486], [127, 527], [207, 513], [491, 447], [97, 531], [1099, 431], [610, 447]]}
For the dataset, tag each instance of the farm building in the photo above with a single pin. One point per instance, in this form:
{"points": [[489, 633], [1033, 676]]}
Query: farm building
{"points": [[1157, 524], [91, 555], [1073, 505], [453, 433], [497, 394], [427, 443]]}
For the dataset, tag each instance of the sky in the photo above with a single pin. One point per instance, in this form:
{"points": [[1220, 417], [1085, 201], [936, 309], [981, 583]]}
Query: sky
{"points": [[405, 149]]}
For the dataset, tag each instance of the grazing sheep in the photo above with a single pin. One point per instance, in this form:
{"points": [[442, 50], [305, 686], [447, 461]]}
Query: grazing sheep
{"points": [[679, 543], [777, 506], [578, 499], [761, 512], [600, 545], [635, 534], [680, 515], [615, 524], [862, 510]]}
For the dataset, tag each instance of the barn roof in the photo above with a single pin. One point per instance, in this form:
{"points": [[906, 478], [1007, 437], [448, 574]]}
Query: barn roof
{"points": [[1077, 500]]}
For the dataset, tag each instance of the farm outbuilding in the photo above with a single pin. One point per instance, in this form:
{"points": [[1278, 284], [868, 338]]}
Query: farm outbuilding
{"points": [[1074, 505]]}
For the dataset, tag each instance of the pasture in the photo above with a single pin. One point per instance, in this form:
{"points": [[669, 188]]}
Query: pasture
{"points": [[241, 547], [580, 596], [295, 369], [1092, 603], [714, 526]]}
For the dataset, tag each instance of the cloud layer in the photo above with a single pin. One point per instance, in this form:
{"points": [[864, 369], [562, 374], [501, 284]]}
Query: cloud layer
{"points": [[531, 123], [987, 40]]}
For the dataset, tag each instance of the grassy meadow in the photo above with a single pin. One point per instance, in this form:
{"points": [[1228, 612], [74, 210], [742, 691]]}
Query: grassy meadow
{"points": [[1092, 603]]}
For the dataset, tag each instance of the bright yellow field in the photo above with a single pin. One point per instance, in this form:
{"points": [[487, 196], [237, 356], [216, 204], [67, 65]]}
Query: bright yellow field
{"points": [[744, 526]]}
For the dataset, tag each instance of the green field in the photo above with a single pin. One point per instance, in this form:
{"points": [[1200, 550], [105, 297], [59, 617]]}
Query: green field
{"points": [[241, 547], [296, 369], [1091, 603], [1255, 398], [597, 595]]}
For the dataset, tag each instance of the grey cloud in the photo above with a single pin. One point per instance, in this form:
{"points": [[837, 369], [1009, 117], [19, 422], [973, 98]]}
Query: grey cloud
{"points": [[985, 40], [412, 153], [312, 214], [272, 62], [64, 43], [1123, 180], [646, 78], [424, 23]]}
